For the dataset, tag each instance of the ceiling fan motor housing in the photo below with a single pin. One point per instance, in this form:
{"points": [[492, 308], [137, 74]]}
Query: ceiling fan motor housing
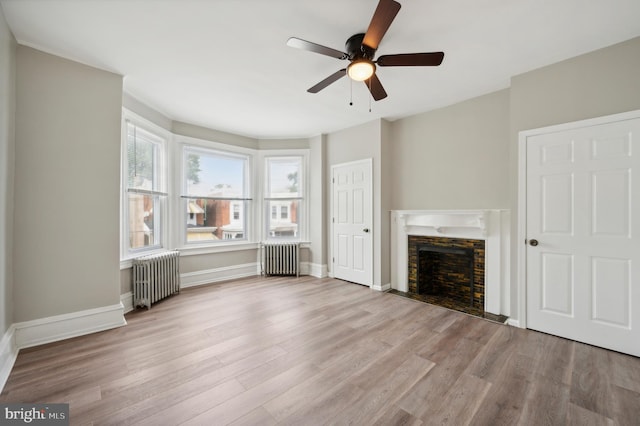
{"points": [[357, 50]]}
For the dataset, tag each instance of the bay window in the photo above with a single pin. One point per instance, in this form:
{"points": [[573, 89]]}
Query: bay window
{"points": [[198, 196]]}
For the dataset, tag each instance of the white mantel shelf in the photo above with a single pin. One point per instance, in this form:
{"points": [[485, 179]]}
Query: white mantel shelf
{"points": [[446, 221], [492, 226]]}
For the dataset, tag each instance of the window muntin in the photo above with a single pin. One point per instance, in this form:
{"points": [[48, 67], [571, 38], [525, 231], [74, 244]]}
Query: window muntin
{"points": [[143, 198], [215, 195], [284, 189]]}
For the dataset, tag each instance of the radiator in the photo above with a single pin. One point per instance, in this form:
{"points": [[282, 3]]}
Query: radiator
{"points": [[281, 258], [155, 277]]}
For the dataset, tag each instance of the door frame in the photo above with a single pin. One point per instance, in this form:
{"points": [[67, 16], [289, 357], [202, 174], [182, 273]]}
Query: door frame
{"points": [[368, 162], [522, 197]]}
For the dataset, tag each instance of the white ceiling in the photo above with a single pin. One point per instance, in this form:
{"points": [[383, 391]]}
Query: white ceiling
{"points": [[224, 64]]}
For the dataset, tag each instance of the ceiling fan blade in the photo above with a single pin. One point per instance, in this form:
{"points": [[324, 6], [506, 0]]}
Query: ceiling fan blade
{"points": [[317, 48], [432, 59], [327, 81], [382, 18], [375, 87]]}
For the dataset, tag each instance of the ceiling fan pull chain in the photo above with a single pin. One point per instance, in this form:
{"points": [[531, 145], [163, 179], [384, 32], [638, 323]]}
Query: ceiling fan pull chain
{"points": [[370, 94], [350, 92]]}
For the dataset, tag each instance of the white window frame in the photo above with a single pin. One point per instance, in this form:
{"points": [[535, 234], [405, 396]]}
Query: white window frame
{"points": [[303, 199], [201, 247], [173, 216], [164, 139]]}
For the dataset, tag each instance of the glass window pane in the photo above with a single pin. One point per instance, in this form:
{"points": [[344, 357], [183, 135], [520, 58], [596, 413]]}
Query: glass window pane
{"points": [[214, 220], [286, 224], [142, 159], [143, 225], [210, 174], [285, 180]]}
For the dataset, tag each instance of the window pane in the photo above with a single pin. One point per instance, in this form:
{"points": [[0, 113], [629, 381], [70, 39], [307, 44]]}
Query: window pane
{"points": [[142, 159], [286, 225], [284, 177], [212, 220], [209, 174], [143, 226]]}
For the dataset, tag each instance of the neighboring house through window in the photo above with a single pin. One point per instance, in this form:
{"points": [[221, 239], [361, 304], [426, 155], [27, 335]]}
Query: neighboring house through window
{"points": [[284, 196], [215, 194]]}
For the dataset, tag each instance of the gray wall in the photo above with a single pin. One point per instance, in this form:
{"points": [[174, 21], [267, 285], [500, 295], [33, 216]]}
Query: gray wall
{"points": [[358, 143], [317, 200], [186, 129], [386, 195], [7, 150], [67, 183], [146, 112], [453, 158], [204, 262]]}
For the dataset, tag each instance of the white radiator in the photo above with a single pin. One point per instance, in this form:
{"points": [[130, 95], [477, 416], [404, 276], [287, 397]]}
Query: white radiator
{"points": [[281, 258], [155, 277]]}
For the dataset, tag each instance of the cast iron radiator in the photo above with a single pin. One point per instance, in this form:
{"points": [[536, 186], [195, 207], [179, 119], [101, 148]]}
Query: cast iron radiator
{"points": [[281, 258], [155, 277]]}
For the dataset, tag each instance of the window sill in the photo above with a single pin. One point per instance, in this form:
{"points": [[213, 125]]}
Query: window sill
{"points": [[198, 250]]}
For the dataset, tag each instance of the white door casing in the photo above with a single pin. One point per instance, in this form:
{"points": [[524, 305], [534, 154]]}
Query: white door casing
{"points": [[581, 259], [352, 221]]}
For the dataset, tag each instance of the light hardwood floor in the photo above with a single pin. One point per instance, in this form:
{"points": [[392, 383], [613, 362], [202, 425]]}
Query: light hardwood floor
{"points": [[313, 351]]}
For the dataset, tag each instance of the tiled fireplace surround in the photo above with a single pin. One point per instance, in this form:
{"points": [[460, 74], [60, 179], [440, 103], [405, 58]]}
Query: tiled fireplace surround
{"points": [[463, 239]]}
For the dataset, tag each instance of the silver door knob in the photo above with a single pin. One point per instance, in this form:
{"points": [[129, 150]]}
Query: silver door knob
{"points": [[366, 230], [533, 243]]}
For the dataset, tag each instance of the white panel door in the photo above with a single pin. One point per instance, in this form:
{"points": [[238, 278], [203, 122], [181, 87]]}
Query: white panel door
{"points": [[352, 222], [583, 275]]}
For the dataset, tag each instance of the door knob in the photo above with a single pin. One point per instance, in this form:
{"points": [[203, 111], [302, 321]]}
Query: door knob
{"points": [[366, 230], [533, 242]]}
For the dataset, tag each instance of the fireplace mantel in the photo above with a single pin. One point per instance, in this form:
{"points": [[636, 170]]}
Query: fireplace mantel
{"points": [[492, 226], [445, 221]]}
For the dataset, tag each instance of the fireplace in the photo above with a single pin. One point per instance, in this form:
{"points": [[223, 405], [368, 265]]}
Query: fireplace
{"points": [[447, 269], [443, 243]]}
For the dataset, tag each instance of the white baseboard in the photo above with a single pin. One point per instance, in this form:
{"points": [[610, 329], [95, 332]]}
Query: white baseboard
{"points": [[314, 269], [8, 355], [383, 287], [513, 322], [127, 301], [60, 327], [208, 276]]}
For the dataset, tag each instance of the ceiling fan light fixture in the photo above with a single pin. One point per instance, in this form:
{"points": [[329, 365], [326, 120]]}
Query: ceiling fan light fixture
{"points": [[361, 69]]}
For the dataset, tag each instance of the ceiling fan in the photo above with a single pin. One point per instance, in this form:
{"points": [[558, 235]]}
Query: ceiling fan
{"points": [[361, 49]]}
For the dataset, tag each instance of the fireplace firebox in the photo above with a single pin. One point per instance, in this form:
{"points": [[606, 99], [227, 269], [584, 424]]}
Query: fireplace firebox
{"points": [[447, 271]]}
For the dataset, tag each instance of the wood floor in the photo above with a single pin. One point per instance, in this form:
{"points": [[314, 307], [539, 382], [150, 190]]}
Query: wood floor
{"points": [[313, 351]]}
